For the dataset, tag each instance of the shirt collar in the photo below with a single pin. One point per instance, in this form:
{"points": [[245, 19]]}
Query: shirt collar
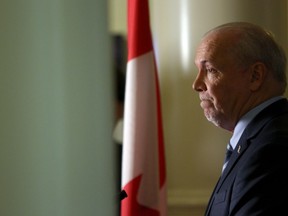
{"points": [[247, 118]]}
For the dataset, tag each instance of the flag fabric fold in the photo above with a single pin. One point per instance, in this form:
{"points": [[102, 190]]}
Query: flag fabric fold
{"points": [[143, 158]]}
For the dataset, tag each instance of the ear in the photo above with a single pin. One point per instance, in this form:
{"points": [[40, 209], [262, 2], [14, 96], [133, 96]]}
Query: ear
{"points": [[258, 73]]}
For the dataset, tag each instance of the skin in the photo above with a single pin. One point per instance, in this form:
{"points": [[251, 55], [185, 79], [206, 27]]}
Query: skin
{"points": [[227, 90]]}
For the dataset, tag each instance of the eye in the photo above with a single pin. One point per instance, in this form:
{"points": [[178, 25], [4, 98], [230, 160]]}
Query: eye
{"points": [[211, 70]]}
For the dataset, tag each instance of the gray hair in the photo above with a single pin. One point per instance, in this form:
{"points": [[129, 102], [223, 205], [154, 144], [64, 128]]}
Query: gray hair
{"points": [[257, 44]]}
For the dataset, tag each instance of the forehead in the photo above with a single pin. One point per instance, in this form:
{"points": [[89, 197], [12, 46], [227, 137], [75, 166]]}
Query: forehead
{"points": [[215, 48]]}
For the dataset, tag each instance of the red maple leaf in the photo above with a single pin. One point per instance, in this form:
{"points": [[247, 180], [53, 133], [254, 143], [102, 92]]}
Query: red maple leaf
{"points": [[130, 206]]}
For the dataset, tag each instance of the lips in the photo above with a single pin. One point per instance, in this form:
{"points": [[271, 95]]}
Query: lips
{"points": [[205, 103]]}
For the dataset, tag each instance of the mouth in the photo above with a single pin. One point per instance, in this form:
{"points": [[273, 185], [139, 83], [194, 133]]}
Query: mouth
{"points": [[205, 103]]}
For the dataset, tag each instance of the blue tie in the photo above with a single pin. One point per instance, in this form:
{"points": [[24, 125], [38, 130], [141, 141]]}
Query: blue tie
{"points": [[228, 155]]}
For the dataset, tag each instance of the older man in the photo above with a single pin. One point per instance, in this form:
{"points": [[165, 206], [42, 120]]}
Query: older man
{"points": [[241, 81]]}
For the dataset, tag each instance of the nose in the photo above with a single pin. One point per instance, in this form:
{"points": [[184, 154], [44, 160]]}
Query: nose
{"points": [[199, 84]]}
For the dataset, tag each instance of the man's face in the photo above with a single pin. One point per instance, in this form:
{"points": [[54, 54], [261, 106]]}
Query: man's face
{"points": [[223, 86]]}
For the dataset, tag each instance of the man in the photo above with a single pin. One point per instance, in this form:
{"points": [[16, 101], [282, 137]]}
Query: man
{"points": [[241, 81]]}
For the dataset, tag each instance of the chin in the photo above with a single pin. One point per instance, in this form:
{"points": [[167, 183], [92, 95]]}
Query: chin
{"points": [[213, 120]]}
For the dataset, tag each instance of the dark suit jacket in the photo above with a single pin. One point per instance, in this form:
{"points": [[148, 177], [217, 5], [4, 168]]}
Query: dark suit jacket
{"points": [[255, 181]]}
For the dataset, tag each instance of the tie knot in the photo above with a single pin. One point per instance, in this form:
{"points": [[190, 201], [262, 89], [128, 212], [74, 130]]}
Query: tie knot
{"points": [[229, 148], [228, 154]]}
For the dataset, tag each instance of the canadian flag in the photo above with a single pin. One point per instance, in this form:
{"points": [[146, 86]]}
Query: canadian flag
{"points": [[143, 158]]}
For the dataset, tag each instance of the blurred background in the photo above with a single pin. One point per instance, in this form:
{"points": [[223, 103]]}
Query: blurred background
{"points": [[62, 79]]}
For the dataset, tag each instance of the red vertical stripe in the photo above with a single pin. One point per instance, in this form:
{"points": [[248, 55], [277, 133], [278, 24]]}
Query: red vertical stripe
{"points": [[162, 165], [139, 33]]}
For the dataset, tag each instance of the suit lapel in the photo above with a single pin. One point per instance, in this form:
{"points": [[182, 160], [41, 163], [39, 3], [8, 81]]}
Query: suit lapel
{"points": [[252, 130]]}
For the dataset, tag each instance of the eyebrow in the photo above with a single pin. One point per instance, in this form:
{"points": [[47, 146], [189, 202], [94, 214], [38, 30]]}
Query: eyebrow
{"points": [[203, 62]]}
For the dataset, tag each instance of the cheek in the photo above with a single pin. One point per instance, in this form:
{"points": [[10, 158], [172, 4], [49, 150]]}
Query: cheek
{"points": [[217, 89], [222, 96], [232, 97], [228, 91]]}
